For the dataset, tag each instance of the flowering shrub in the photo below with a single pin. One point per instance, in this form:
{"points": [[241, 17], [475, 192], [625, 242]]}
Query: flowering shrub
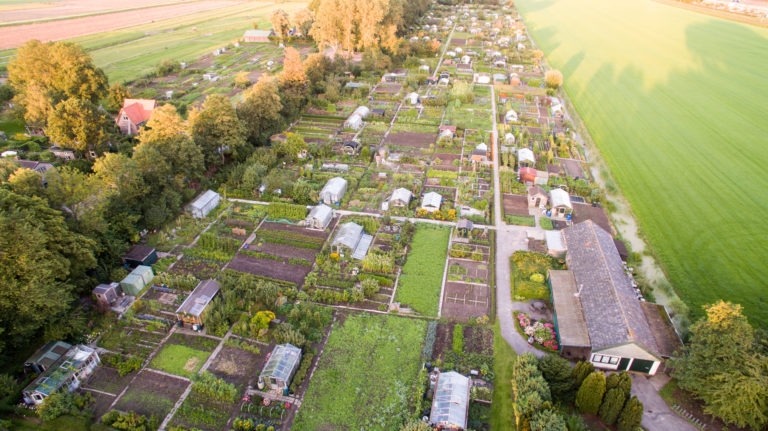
{"points": [[542, 333]]}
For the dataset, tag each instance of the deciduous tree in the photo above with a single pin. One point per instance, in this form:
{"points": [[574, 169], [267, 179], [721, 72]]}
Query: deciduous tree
{"points": [[303, 19], [260, 110], [280, 23], [553, 78], [77, 124], [40, 259], [45, 74], [218, 132], [723, 367], [115, 96]]}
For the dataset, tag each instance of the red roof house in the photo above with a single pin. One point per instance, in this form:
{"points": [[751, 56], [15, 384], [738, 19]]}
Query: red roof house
{"points": [[133, 115]]}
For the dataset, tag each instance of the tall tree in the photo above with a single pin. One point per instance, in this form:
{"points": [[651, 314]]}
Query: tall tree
{"points": [[293, 73], [631, 415], [77, 124], [302, 20], [590, 394], [27, 182], [45, 74], [613, 402], [557, 373], [260, 110], [80, 196], [116, 94], [165, 152], [217, 131], [39, 262], [724, 368], [281, 24]]}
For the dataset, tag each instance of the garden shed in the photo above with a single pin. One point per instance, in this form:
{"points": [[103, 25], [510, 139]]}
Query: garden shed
{"points": [[537, 197], [140, 255], [191, 310], [431, 201], [139, 278], [280, 368], [333, 191], [106, 294], [450, 404], [525, 157], [320, 217], [401, 197], [465, 225], [509, 139], [204, 204], [560, 203], [527, 175]]}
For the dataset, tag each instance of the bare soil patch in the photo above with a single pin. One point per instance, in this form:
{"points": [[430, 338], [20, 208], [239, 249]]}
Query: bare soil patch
{"points": [[293, 228], [99, 402], [478, 339], [515, 204], [238, 366], [270, 268], [152, 394], [411, 139], [463, 301], [284, 250], [443, 339], [107, 379], [14, 36]]}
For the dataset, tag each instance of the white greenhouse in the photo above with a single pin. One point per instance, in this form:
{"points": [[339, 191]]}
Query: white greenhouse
{"points": [[204, 204], [333, 191]]}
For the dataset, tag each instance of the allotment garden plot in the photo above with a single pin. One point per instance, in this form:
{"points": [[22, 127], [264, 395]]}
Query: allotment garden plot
{"points": [[365, 375], [467, 293]]}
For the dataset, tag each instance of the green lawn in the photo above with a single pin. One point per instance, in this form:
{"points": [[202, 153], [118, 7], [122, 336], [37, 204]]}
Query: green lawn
{"points": [[679, 115], [422, 278], [502, 413], [180, 360], [365, 375]]}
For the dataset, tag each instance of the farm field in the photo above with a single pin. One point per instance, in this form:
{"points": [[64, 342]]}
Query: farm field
{"points": [[128, 53], [420, 283], [31, 10], [682, 129], [14, 36], [353, 388]]}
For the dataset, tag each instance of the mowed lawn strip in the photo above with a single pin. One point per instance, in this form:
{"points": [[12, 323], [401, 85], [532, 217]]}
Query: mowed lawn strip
{"points": [[422, 277], [674, 110], [364, 376], [179, 360]]}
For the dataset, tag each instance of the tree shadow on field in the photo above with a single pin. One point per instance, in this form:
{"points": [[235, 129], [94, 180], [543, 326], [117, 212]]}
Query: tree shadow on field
{"points": [[534, 5], [689, 152]]}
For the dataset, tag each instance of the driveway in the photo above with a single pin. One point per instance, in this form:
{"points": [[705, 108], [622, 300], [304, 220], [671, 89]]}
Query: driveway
{"points": [[657, 414]]}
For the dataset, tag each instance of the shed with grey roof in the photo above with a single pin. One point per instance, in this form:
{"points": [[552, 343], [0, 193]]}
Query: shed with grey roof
{"points": [[619, 333], [191, 310], [450, 404]]}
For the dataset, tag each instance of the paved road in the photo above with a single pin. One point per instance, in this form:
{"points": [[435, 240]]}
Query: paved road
{"points": [[509, 239]]}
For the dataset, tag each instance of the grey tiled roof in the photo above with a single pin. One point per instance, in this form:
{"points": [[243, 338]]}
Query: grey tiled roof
{"points": [[613, 314]]}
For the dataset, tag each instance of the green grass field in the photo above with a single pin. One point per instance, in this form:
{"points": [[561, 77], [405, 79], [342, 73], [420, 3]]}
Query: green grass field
{"points": [[129, 53], [422, 278], [180, 360], [365, 375], [676, 103]]}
